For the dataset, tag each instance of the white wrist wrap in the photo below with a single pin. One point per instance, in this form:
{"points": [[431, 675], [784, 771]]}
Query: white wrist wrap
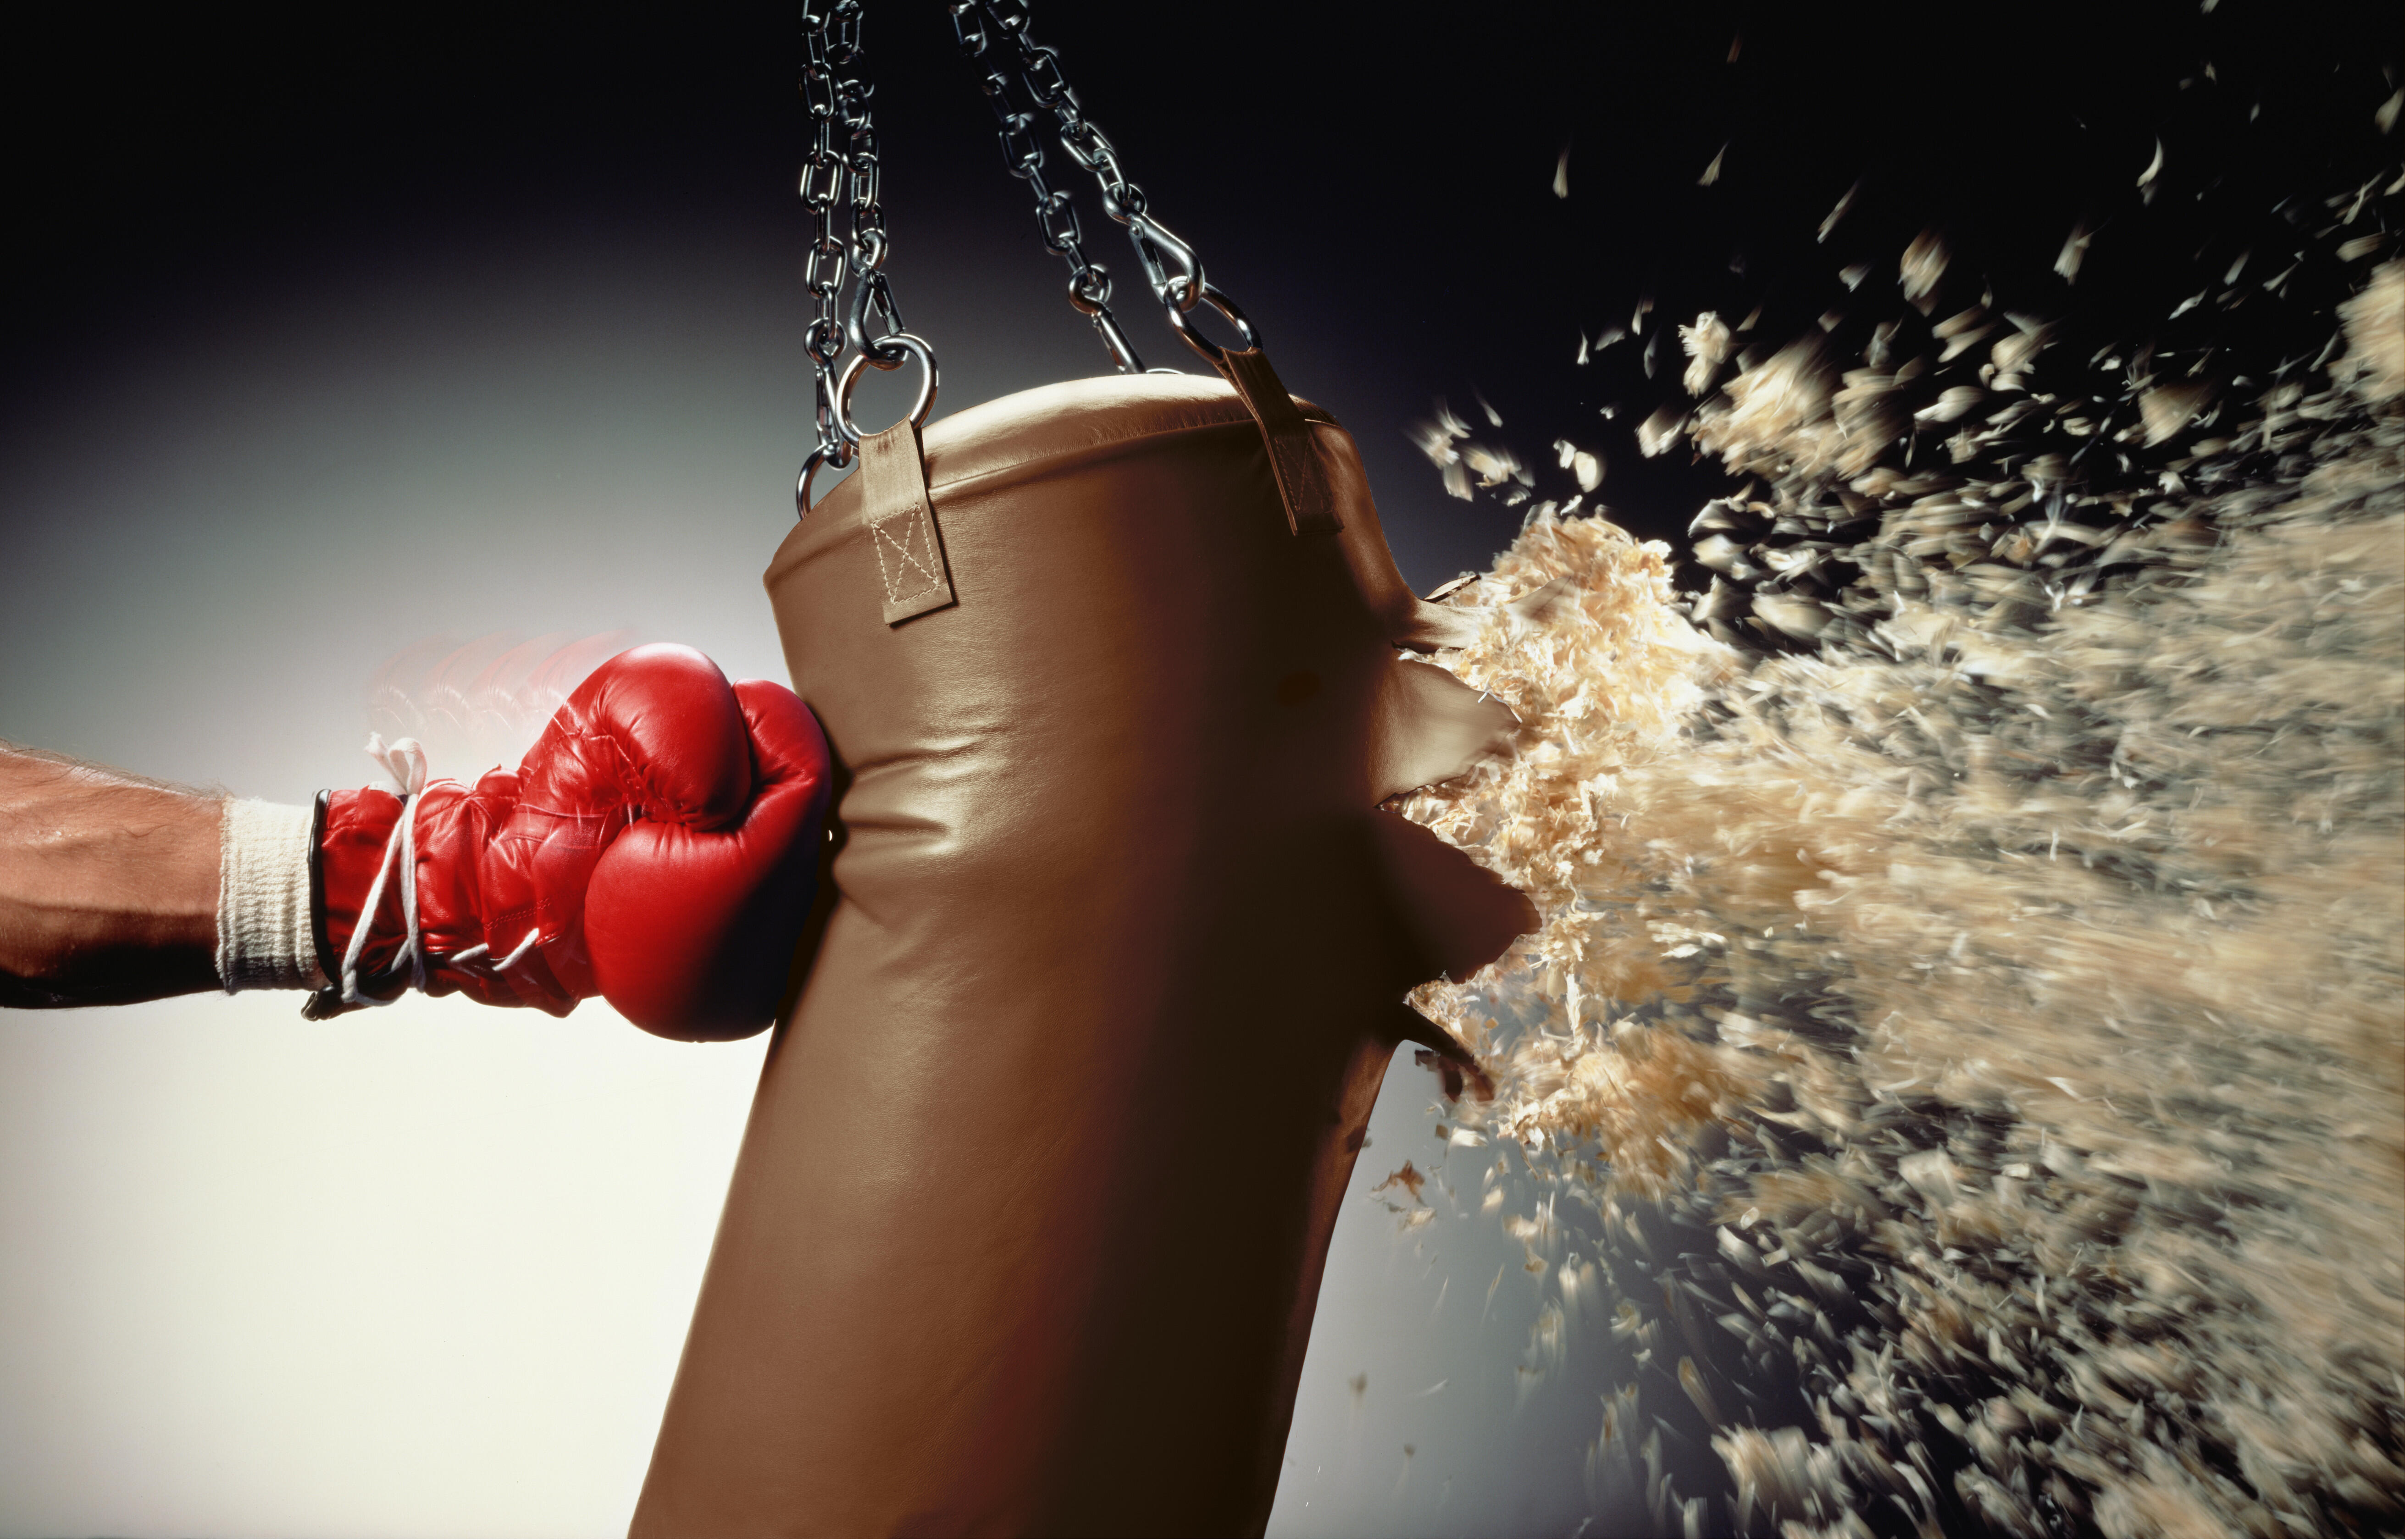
{"points": [[265, 939]]}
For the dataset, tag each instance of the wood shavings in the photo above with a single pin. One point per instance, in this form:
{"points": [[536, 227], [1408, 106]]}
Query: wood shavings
{"points": [[1985, 914], [1658, 432], [1923, 264], [2374, 365], [1838, 212], [2074, 252], [2154, 167], [1707, 346], [2169, 409]]}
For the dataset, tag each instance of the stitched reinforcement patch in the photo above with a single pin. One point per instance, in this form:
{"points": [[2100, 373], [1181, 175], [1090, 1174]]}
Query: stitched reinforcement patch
{"points": [[901, 522]]}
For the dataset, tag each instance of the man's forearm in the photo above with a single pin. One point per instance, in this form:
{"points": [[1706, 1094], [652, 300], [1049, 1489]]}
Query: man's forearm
{"points": [[108, 884]]}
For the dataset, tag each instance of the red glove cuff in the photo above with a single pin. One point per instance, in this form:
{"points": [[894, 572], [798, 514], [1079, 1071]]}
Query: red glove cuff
{"points": [[353, 832]]}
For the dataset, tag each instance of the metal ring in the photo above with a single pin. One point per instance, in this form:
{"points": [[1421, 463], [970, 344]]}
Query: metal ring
{"points": [[819, 456], [904, 342], [1212, 352]]}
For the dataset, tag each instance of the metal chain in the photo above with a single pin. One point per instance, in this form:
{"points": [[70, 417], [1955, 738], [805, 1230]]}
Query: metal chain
{"points": [[843, 170], [985, 29]]}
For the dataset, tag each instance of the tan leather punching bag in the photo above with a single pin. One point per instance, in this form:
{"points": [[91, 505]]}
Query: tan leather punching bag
{"points": [[1029, 1222]]}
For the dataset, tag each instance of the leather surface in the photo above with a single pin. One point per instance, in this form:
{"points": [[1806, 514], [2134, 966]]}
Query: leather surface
{"points": [[1287, 437], [1028, 1224]]}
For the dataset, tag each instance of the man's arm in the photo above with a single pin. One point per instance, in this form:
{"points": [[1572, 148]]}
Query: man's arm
{"points": [[659, 845], [108, 884]]}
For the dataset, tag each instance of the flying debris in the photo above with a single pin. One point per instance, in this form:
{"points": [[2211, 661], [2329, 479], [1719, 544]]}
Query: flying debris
{"points": [[1691, 1380], [1494, 466], [1961, 331], [1840, 213], [1956, 401], [1923, 264], [1409, 1178], [1706, 344], [2154, 167], [1712, 173], [2168, 409], [2074, 252], [1562, 174], [1725, 555], [1965, 999], [1963, 1022], [1658, 432], [1445, 442], [1435, 439], [2374, 364], [1852, 275]]}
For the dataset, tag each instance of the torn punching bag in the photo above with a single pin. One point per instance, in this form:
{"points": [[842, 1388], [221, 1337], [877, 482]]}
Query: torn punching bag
{"points": [[1028, 1224]]}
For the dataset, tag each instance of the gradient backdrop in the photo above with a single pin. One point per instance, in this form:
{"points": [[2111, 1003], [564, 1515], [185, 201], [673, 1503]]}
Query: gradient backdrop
{"points": [[339, 335]]}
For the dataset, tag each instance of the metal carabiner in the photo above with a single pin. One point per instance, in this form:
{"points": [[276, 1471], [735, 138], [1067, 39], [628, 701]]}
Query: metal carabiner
{"points": [[1090, 295], [1157, 246], [1122, 351], [873, 289]]}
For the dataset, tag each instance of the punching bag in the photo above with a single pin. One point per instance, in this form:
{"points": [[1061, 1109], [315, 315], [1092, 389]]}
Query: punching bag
{"points": [[1029, 1220]]}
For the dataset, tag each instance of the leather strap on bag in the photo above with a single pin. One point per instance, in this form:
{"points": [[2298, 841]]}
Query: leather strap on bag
{"points": [[901, 522], [1302, 486]]}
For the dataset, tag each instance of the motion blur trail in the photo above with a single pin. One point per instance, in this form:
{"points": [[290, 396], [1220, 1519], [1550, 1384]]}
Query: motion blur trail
{"points": [[1968, 1005]]}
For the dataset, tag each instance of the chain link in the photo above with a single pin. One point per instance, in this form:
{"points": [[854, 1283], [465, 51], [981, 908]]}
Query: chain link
{"points": [[1022, 81], [839, 188]]}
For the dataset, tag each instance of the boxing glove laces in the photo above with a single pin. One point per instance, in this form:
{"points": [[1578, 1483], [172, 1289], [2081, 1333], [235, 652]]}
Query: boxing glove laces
{"points": [[657, 846]]}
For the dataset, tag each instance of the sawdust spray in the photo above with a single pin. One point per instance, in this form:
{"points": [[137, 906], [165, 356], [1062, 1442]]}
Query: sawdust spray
{"points": [[1968, 1004]]}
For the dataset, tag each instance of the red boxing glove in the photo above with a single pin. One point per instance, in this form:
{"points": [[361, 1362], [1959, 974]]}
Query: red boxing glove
{"points": [[657, 846]]}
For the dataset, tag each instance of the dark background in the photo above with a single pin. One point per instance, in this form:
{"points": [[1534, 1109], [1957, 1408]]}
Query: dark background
{"points": [[1371, 181]]}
